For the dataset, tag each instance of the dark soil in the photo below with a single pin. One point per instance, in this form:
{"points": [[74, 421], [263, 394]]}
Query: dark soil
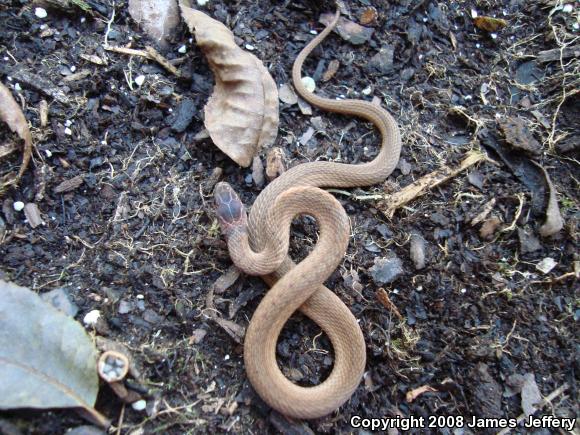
{"points": [[140, 232]]}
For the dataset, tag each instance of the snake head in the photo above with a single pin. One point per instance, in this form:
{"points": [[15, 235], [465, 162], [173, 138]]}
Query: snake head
{"points": [[230, 210]]}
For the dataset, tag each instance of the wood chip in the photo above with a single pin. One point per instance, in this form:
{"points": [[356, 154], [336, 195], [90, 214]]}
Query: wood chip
{"points": [[557, 54], [68, 185], [39, 83], [82, 74], [43, 112], [226, 280], [32, 214], [305, 108], [258, 171], [93, 58], [305, 138], [275, 163], [331, 70]]}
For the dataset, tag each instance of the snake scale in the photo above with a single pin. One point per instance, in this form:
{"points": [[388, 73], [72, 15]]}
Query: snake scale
{"points": [[258, 245]]}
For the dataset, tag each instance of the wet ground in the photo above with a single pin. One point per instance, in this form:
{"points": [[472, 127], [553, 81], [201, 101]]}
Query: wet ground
{"points": [[136, 236]]}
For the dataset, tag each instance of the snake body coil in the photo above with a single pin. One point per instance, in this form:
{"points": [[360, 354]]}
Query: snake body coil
{"points": [[259, 245]]}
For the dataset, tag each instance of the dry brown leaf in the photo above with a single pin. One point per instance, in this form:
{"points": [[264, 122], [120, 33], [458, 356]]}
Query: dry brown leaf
{"points": [[11, 114], [413, 394], [489, 24], [242, 113]]}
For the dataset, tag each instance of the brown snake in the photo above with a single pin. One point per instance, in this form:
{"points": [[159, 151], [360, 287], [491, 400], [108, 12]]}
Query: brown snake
{"points": [[259, 244]]}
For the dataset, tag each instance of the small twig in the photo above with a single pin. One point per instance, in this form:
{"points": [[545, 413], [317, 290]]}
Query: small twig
{"points": [[121, 418], [426, 183], [157, 57], [538, 406], [557, 279], [149, 53]]}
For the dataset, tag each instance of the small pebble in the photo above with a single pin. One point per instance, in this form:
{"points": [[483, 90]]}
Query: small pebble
{"points": [[139, 80], [18, 205], [367, 90], [202, 2], [91, 318], [68, 131], [182, 49], [17, 87], [68, 123], [40, 13], [140, 405], [73, 68], [48, 153], [568, 8], [309, 83], [250, 47]]}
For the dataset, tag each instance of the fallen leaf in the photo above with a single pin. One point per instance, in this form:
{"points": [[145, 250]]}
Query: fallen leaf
{"points": [[489, 24], [11, 114], [157, 17], [554, 222], [47, 360], [413, 394], [242, 113]]}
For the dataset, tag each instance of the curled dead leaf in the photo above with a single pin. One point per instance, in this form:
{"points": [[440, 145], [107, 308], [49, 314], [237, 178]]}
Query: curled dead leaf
{"points": [[11, 114], [242, 113], [554, 222]]}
